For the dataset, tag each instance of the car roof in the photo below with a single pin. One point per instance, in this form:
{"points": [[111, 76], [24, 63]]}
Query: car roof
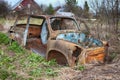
{"points": [[47, 16]]}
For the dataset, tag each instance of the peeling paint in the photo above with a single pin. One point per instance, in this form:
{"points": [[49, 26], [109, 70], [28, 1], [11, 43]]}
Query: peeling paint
{"points": [[80, 39]]}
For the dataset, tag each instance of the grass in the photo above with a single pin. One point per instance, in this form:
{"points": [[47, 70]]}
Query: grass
{"points": [[4, 39], [22, 64], [17, 63]]}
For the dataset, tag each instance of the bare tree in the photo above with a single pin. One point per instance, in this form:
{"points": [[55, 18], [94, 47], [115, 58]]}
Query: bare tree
{"points": [[107, 15], [4, 8], [107, 11]]}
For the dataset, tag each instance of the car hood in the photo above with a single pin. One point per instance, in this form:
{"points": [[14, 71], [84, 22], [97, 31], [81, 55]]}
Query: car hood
{"points": [[79, 38]]}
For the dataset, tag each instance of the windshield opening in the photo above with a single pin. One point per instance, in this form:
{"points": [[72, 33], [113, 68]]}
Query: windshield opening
{"points": [[36, 21], [58, 23]]}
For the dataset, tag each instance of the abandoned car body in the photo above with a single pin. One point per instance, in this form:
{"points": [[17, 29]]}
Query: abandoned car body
{"points": [[57, 37]]}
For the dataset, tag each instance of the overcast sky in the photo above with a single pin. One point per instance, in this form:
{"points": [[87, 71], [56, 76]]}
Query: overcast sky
{"points": [[47, 2]]}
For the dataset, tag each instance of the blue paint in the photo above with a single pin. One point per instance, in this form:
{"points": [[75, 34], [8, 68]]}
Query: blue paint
{"points": [[95, 42], [80, 39]]}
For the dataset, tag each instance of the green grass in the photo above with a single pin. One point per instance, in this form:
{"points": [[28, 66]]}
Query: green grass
{"points": [[4, 39], [17, 63], [14, 60], [6, 75]]}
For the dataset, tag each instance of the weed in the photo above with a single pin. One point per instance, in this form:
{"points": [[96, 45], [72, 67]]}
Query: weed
{"points": [[81, 68], [15, 76], [32, 60], [35, 58], [16, 48], [3, 74], [50, 63], [4, 39], [31, 63], [11, 67], [1, 53], [50, 72], [6, 61], [36, 72]]}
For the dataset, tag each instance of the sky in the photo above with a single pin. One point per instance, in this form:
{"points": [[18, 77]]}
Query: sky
{"points": [[53, 2]]}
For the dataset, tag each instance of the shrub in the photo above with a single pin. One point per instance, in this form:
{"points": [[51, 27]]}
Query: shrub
{"points": [[4, 39]]}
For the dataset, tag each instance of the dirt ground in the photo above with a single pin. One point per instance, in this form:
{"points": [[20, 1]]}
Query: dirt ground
{"points": [[92, 72]]}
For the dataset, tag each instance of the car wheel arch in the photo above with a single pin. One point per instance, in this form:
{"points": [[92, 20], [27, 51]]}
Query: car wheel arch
{"points": [[58, 56]]}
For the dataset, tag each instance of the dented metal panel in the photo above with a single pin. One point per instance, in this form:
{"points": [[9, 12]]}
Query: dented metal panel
{"points": [[92, 55], [80, 39]]}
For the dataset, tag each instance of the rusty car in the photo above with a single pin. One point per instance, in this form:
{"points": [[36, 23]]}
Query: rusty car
{"points": [[57, 37]]}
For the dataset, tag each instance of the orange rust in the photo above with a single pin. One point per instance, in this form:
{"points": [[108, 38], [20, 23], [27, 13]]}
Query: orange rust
{"points": [[97, 54], [34, 31]]}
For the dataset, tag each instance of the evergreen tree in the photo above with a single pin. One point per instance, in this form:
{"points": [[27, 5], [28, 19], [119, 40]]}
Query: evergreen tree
{"points": [[71, 2], [71, 5], [86, 10], [50, 10], [86, 7]]}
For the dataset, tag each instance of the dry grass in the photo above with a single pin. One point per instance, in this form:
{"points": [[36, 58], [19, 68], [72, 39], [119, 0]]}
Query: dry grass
{"points": [[91, 72]]}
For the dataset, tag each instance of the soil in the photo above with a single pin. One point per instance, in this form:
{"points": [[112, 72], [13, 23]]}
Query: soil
{"points": [[92, 72], [1, 27]]}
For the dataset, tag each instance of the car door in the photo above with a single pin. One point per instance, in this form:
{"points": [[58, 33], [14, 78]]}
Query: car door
{"points": [[26, 32]]}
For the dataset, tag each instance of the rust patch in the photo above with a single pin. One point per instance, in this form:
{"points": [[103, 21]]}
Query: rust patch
{"points": [[59, 57], [36, 46], [92, 55]]}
